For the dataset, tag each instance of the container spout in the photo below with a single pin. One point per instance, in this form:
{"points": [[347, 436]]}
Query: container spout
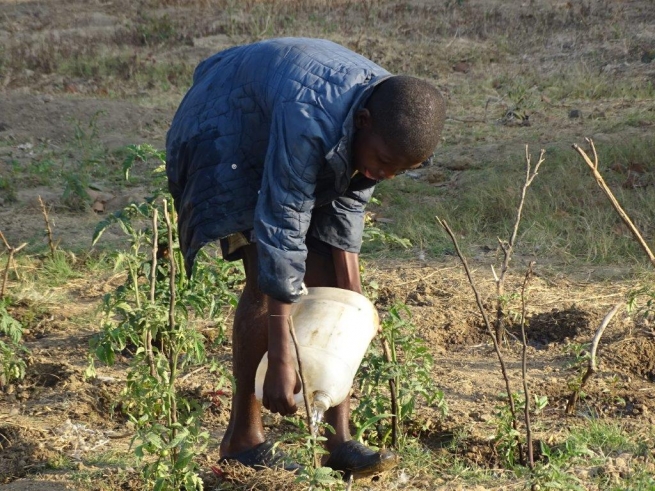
{"points": [[321, 403]]}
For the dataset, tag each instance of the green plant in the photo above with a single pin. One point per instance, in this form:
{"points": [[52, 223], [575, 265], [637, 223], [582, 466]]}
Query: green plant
{"points": [[508, 439], [578, 362], [150, 318], [12, 364], [406, 362], [143, 317], [307, 447], [641, 301]]}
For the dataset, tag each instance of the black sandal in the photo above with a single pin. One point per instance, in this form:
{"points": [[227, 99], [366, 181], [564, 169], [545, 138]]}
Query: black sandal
{"points": [[263, 456], [354, 458]]}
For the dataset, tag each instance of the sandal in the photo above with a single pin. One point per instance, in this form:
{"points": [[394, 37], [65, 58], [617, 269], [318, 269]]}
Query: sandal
{"points": [[354, 458], [263, 456]]}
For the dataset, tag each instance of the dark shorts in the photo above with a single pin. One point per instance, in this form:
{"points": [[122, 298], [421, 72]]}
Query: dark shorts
{"points": [[232, 244]]}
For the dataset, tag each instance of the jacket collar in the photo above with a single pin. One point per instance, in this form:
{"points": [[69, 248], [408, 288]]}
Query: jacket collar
{"points": [[339, 156]]}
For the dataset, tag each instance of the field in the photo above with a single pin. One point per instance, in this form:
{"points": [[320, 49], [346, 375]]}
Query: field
{"points": [[82, 83]]}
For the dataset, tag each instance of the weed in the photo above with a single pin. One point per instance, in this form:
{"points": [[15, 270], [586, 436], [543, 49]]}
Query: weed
{"points": [[60, 462], [306, 449], [578, 364], [508, 439], [603, 439], [59, 268], [12, 364]]}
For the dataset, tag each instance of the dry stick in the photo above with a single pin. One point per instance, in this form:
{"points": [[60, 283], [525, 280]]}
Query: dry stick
{"points": [[12, 251], [524, 369], [592, 367], [12, 261], [153, 280], [478, 300], [51, 241], [172, 356], [393, 388], [508, 247], [601, 183], [305, 396]]}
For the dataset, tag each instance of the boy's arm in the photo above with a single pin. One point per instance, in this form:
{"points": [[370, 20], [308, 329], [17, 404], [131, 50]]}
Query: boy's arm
{"points": [[346, 266]]}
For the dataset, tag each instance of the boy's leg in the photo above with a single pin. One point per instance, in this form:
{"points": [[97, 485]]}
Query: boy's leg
{"points": [[346, 455], [320, 272], [249, 343]]}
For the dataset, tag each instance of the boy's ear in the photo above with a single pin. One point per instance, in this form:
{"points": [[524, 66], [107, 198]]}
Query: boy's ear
{"points": [[363, 119]]}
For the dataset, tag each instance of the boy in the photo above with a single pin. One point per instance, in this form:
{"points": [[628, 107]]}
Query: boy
{"points": [[275, 151]]}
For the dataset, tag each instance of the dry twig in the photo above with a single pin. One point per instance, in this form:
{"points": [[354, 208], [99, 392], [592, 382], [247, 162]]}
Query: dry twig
{"points": [[172, 356], [310, 425], [524, 369], [51, 241], [490, 331], [601, 183], [592, 367], [12, 251], [508, 247], [153, 280], [393, 389]]}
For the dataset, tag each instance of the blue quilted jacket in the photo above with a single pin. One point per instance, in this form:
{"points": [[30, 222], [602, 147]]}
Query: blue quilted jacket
{"points": [[262, 140]]}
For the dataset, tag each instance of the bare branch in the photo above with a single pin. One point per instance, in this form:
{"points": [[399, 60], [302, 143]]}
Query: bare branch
{"points": [[524, 368], [508, 247], [172, 355], [308, 409], [10, 258], [51, 241], [592, 367], [386, 349], [601, 183], [153, 280], [478, 300]]}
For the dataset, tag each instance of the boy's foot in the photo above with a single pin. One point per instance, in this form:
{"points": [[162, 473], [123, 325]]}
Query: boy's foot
{"points": [[263, 456], [353, 458]]}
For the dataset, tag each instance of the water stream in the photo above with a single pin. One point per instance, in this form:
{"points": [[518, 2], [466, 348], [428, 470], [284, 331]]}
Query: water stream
{"points": [[317, 418]]}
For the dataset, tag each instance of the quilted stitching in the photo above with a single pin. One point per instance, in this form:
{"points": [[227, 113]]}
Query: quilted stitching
{"points": [[260, 140]]}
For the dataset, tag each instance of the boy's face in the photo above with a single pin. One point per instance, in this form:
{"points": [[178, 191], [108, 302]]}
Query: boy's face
{"points": [[371, 155]]}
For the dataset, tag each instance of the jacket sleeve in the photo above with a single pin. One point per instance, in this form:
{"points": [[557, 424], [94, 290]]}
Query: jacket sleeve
{"points": [[341, 222], [283, 213]]}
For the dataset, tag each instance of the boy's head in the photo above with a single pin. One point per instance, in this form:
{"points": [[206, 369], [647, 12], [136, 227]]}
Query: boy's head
{"points": [[398, 128]]}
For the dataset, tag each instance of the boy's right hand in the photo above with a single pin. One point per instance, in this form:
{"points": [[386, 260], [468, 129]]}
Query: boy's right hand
{"points": [[280, 385], [281, 381]]}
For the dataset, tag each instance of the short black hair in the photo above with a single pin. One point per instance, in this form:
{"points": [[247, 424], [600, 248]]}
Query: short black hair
{"points": [[409, 113]]}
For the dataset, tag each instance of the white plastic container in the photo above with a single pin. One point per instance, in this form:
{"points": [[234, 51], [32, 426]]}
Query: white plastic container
{"points": [[334, 328]]}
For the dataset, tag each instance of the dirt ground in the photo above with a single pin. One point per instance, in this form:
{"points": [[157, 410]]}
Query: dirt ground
{"points": [[55, 412]]}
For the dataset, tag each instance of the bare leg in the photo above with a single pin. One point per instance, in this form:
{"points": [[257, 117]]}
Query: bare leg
{"points": [[320, 272], [249, 343]]}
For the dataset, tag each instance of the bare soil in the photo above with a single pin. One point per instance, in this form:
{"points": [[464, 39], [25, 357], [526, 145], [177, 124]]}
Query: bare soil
{"points": [[55, 421]]}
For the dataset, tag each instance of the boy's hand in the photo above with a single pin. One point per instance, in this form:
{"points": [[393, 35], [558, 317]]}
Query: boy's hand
{"points": [[280, 384], [281, 381]]}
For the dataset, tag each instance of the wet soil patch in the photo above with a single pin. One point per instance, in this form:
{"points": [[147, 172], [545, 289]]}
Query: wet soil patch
{"points": [[48, 374], [556, 326]]}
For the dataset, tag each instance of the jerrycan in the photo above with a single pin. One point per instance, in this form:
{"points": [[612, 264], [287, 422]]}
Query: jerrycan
{"points": [[334, 328]]}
